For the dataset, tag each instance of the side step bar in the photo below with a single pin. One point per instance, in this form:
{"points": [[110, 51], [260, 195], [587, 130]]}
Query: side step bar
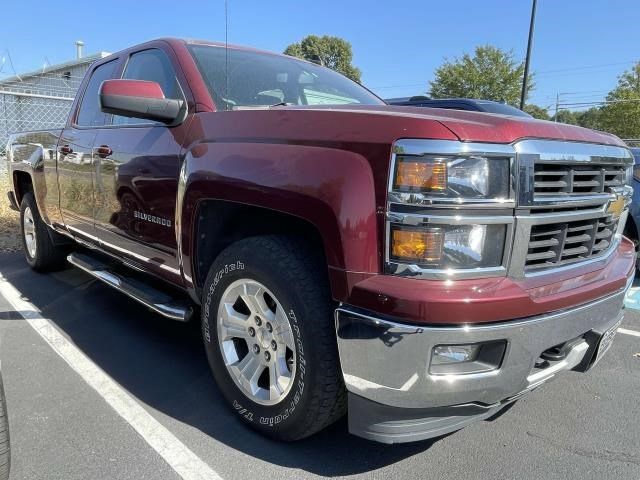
{"points": [[154, 299]]}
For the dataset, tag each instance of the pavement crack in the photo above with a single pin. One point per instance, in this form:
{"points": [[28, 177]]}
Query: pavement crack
{"points": [[606, 455]]}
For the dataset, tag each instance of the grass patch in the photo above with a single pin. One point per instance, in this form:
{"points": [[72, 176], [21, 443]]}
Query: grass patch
{"points": [[9, 220]]}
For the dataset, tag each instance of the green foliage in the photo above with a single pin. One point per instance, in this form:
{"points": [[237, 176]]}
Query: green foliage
{"points": [[328, 51], [591, 118], [566, 116], [622, 116], [537, 112], [491, 74]]}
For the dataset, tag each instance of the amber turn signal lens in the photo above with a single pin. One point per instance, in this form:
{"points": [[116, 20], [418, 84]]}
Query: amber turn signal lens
{"points": [[421, 246], [422, 176]]}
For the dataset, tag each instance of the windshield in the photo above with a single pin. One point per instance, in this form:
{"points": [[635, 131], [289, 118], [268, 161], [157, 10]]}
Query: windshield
{"points": [[262, 79]]}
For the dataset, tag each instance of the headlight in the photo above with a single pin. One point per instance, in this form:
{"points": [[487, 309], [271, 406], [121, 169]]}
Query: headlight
{"points": [[449, 246], [452, 177]]}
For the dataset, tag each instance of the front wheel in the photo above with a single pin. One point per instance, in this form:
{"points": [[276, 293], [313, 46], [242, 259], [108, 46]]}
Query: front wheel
{"points": [[39, 250], [267, 323]]}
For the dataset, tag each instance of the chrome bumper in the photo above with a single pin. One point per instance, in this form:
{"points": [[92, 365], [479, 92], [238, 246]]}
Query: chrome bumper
{"points": [[386, 364]]}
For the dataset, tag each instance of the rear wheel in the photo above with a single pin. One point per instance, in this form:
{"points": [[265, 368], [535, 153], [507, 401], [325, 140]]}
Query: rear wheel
{"points": [[267, 322], [39, 250]]}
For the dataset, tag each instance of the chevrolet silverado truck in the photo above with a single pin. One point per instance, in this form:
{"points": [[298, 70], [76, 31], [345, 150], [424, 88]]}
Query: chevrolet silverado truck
{"points": [[420, 269]]}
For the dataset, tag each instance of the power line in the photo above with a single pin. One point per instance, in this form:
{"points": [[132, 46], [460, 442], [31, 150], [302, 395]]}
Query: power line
{"points": [[536, 73], [586, 67], [604, 102]]}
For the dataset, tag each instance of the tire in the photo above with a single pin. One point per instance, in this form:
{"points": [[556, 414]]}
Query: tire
{"points": [[41, 253], [310, 393], [5, 444]]}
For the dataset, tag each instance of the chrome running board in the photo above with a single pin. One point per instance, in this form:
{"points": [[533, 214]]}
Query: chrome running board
{"points": [[147, 295]]}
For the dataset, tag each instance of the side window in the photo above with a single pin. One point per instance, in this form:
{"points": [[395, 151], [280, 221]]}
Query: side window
{"points": [[155, 66], [89, 114]]}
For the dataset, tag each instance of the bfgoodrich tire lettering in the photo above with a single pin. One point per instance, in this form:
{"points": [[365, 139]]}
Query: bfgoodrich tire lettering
{"points": [[298, 282]]}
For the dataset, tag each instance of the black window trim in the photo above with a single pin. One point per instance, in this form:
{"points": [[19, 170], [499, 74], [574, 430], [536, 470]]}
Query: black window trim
{"points": [[143, 123], [76, 113], [119, 72]]}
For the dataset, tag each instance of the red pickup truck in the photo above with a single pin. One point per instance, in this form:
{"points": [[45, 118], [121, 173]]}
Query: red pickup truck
{"points": [[421, 269]]}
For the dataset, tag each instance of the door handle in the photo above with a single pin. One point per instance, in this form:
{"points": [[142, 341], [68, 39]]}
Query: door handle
{"points": [[103, 151], [66, 150]]}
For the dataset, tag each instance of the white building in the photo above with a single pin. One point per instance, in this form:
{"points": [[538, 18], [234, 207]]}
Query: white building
{"points": [[41, 99]]}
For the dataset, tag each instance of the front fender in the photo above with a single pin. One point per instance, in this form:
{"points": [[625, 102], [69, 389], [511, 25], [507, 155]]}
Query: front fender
{"points": [[330, 188], [34, 153]]}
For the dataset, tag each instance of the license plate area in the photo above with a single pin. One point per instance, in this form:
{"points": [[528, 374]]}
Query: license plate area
{"points": [[605, 342]]}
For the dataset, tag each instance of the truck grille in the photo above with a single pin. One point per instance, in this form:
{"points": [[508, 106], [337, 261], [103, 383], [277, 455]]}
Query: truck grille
{"points": [[557, 244], [554, 179]]}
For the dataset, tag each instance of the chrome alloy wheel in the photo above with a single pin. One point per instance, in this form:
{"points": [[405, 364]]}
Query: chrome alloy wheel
{"points": [[29, 232], [256, 341]]}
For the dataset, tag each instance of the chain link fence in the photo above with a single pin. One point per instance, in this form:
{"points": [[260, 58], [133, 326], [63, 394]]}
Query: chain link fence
{"points": [[20, 112], [36, 102]]}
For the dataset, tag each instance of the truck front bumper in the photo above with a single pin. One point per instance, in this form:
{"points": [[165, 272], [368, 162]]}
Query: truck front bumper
{"points": [[395, 396]]}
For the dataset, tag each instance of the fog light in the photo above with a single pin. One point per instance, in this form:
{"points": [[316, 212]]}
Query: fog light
{"points": [[454, 354], [467, 358]]}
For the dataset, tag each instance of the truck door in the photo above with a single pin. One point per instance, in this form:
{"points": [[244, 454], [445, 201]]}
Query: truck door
{"points": [[76, 170], [137, 170]]}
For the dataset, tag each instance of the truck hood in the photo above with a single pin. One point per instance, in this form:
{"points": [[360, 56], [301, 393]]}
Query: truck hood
{"points": [[483, 127]]}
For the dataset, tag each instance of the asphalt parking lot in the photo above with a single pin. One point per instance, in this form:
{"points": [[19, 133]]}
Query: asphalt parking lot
{"points": [[64, 424]]}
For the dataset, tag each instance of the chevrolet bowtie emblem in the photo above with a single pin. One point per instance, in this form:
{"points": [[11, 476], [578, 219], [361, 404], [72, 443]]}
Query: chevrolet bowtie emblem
{"points": [[616, 207]]}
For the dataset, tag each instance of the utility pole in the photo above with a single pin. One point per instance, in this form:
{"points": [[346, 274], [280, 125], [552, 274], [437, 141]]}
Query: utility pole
{"points": [[555, 118], [526, 62]]}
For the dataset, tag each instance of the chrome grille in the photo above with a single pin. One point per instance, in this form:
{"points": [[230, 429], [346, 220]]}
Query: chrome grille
{"points": [[552, 179], [557, 244]]}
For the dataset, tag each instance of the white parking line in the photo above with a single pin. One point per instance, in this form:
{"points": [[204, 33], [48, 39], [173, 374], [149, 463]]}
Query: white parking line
{"points": [[629, 332], [185, 463]]}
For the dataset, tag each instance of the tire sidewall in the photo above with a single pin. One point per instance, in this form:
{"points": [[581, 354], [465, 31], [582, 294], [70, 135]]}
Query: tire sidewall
{"points": [[29, 202], [245, 264]]}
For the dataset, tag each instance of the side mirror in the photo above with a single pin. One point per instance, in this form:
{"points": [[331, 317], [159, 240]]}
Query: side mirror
{"points": [[138, 99]]}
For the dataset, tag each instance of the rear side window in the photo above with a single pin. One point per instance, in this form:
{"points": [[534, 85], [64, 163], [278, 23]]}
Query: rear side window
{"points": [[152, 65], [89, 114]]}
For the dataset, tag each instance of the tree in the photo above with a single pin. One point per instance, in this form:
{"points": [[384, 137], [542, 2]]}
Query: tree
{"points": [[621, 115], [328, 51], [537, 112], [591, 118], [566, 116], [491, 74]]}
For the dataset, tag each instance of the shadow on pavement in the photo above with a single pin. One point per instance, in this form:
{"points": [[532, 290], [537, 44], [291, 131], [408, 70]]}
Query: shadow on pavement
{"points": [[163, 364]]}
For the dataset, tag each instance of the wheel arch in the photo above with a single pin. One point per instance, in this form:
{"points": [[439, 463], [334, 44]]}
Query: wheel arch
{"points": [[325, 194], [220, 223]]}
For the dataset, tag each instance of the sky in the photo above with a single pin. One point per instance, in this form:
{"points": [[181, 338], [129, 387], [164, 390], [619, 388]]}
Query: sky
{"points": [[580, 46]]}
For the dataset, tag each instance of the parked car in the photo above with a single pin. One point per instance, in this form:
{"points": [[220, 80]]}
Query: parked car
{"points": [[420, 269], [470, 104], [631, 229]]}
